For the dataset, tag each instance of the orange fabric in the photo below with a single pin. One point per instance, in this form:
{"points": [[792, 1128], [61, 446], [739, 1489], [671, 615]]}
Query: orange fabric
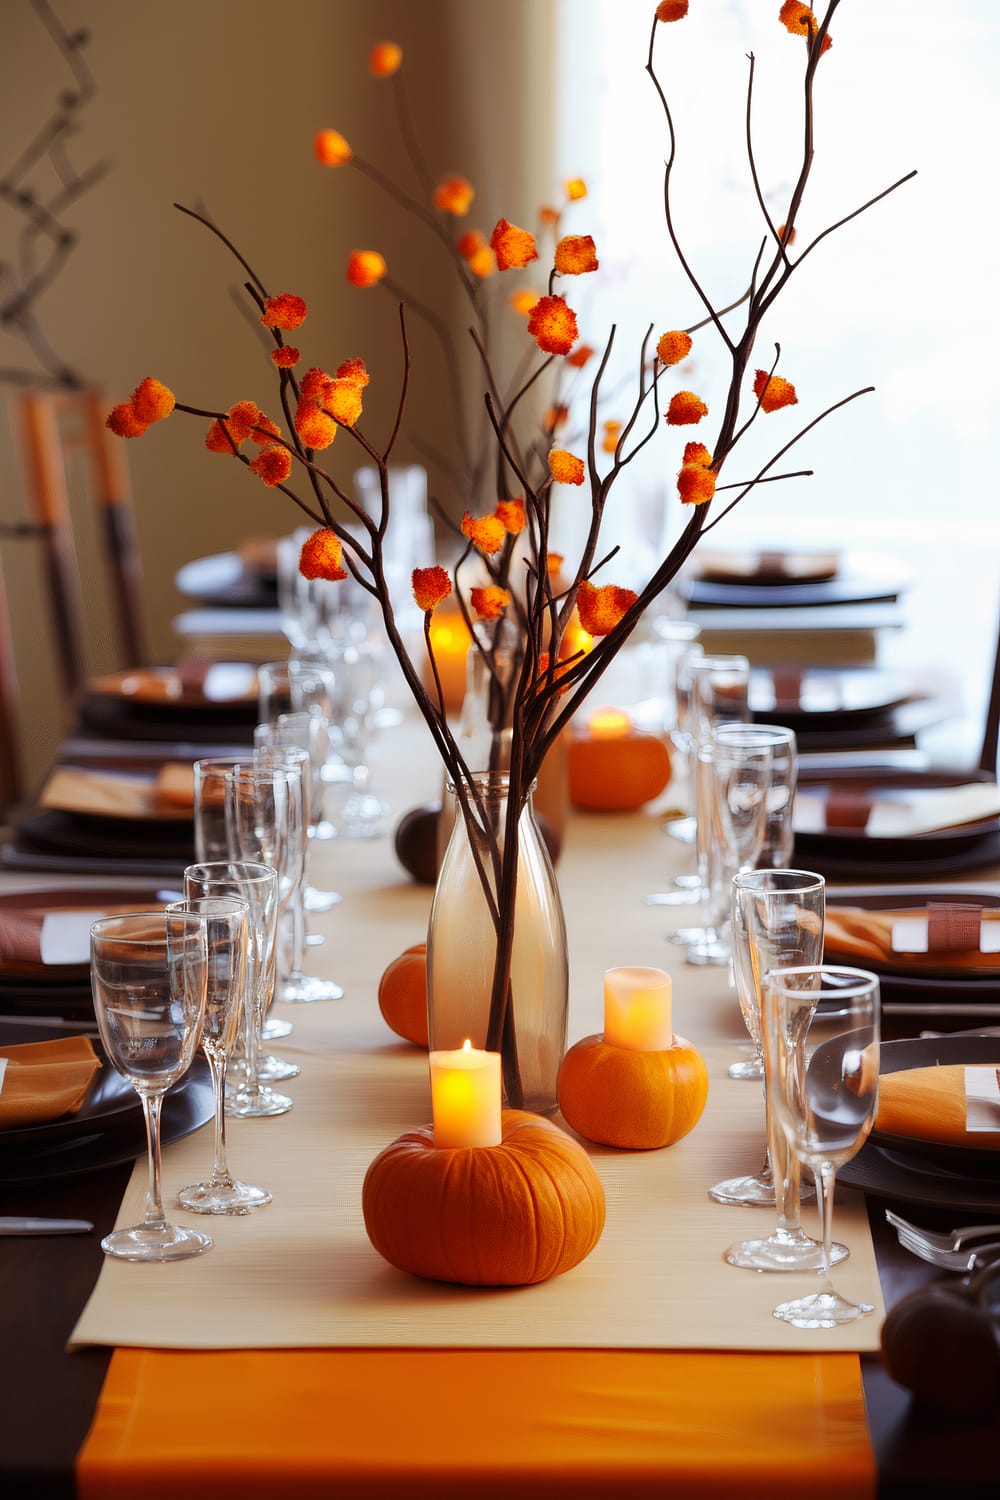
{"points": [[928, 1104], [378, 1423], [45, 1080], [852, 932]]}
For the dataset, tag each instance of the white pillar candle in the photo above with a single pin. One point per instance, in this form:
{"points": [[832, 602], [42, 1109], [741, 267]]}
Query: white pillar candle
{"points": [[637, 1009], [465, 1097]]}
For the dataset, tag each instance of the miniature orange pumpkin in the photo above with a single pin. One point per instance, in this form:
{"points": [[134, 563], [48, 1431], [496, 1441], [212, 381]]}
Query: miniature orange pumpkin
{"points": [[635, 1100], [504, 1215], [402, 995], [617, 775]]}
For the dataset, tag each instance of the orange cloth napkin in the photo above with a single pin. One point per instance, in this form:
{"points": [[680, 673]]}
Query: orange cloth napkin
{"points": [[851, 931], [45, 1080], [928, 1104], [173, 788]]}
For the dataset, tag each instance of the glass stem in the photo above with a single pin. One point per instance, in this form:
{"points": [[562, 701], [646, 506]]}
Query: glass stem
{"points": [[827, 1179], [298, 920], [217, 1068], [154, 1217], [254, 1014]]}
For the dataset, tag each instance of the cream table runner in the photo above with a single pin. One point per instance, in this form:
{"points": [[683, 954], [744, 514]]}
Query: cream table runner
{"points": [[302, 1273]]}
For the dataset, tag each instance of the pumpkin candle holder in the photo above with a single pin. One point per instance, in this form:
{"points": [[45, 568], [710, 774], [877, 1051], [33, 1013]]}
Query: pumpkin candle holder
{"points": [[519, 1212], [636, 1086], [615, 767]]}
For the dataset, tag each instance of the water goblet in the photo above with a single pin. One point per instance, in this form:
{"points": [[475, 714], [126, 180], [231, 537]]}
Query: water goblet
{"points": [[148, 975], [777, 920], [227, 931], [823, 1067], [358, 695]]}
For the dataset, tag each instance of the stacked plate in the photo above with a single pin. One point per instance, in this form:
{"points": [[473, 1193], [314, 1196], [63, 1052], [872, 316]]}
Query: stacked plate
{"points": [[845, 708], [217, 700], [953, 1174], [106, 1130]]}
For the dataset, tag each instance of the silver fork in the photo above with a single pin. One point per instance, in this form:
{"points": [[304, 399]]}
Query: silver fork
{"points": [[951, 1260], [938, 1239]]}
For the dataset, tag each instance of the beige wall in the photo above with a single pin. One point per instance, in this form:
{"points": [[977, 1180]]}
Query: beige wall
{"points": [[216, 102]]}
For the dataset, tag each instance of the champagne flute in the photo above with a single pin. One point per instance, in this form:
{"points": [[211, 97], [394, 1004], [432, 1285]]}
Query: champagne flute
{"points": [[777, 921], [735, 775], [257, 885], [287, 839], [148, 975], [358, 696], [227, 930], [823, 1067]]}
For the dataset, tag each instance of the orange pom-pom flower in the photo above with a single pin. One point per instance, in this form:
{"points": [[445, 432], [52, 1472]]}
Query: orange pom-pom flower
{"points": [[430, 587], [321, 556], [490, 602], [123, 421], [152, 400], [241, 419], [674, 346], [696, 480], [580, 356], [685, 408], [313, 425], [343, 402], [671, 10], [384, 59], [513, 247], [612, 433], [216, 440], [486, 533], [511, 514], [354, 370], [523, 301], [800, 20], [575, 255], [600, 609], [286, 356], [284, 311], [576, 188], [330, 147], [272, 465], [773, 392], [553, 325], [365, 267], [565, 467], [476, 253], [454, 195], [264, 430]]}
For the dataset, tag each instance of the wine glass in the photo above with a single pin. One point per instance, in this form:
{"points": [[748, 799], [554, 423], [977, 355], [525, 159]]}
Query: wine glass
{"points": [[148, 975], [211, 835], [280, 825], [734, 774], [227, 930], [777, 921], [303, 683], [307, 730], [823, 1066]]}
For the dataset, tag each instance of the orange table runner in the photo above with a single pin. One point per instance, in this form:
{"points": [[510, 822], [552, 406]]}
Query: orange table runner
{"points": [[538, 1424]]}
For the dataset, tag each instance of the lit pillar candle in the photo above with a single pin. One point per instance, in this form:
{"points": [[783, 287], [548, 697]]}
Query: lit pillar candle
{"points": [[450, 641], [609, 724], [637, 1009], [465, 1097]]}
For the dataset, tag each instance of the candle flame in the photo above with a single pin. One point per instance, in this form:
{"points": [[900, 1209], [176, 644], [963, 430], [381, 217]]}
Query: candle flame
{"points": [[609, 724], [467, 1045]]}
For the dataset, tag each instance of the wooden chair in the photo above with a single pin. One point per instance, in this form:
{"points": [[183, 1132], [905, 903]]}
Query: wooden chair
{"points": [[81, 526], [54, 429]]}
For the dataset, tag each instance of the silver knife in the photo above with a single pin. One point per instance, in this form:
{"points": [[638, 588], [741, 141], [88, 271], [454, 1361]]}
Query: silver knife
{"points": [[11, 1225]]}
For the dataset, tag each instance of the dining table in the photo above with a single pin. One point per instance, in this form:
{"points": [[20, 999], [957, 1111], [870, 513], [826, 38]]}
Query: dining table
{"points": [[291, 1360]]}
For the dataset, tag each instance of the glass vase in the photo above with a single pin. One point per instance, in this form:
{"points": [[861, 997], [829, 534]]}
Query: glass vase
{"points": [[479, 927]]}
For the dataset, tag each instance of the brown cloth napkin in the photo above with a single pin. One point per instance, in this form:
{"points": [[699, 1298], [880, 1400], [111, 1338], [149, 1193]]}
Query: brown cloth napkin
{"points": [[928, 1104], [45, 1080], [852, 932], [173, 789]]}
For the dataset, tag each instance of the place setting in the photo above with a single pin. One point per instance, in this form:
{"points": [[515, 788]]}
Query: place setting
{"points": [[188, 700]]}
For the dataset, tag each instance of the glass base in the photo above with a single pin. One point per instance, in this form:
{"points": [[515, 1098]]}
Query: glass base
{"points": [[751, 1067], [155, 1242], [302, 989], [702, 955], [682, 829], [756, 1192], [363, 817], [231, 1197], [270, 1069], [821, 1310], [274, 1028], [247, 1104], [689, 896], [316, 900], [783, 1253]]}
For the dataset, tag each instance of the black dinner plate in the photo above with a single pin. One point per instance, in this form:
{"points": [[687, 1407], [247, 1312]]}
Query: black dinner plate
{"points": [[939, 982], [224, 578], [926, 1172], [846, 588], [60, 978], [186, 1108], [110, 1099]]}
